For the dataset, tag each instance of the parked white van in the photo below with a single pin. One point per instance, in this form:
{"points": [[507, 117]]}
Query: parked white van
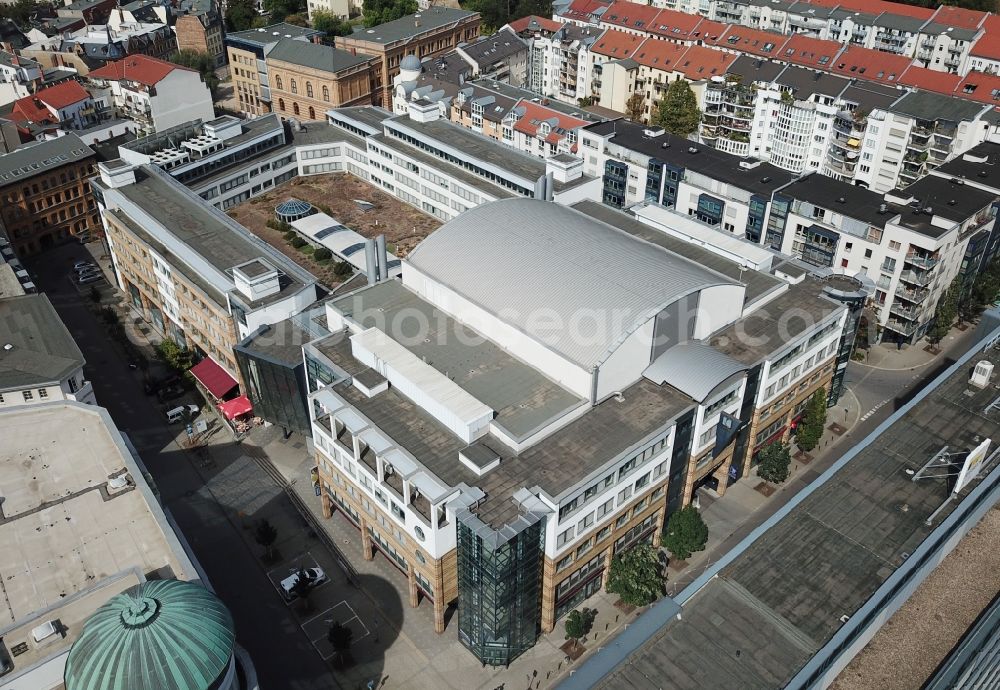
{"points": [[177, 414]]}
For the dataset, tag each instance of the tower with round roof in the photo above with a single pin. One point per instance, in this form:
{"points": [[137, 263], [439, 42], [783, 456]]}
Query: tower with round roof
{"points": [[164, 634]]}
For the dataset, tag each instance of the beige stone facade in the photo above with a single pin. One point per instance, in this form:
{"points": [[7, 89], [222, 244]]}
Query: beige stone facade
{"points": [[204, 323], [307, 93], [430, 42], [246, 81]]}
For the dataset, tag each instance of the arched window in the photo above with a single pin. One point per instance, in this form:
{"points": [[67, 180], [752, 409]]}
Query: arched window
{"points": [[309, 89], [295, 108], [277, 81], [295, 87], [312, 113], [281, 104], [326, 93]]}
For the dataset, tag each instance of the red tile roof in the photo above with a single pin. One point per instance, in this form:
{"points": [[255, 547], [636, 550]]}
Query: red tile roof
{"points": [[700, 62], [63, 95], [929, 79], [533, 23], [870, 65], [708, 30], [879, 6], [809, 52], [535, 113], [979, 86], [582, 10], [988, 45], [630, 15], [751, 41], [657, 54], [617, 44], [959, 17], [676, 26], [139, 68], [33, 108]]}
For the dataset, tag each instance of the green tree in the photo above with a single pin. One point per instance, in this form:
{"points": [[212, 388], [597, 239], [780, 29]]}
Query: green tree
{"points": [[635, 576], [810, 429], [175, 356], [340, 638], [240, 15], [944, 314], [322, 254], [265, 535], [330, 25], [278, 10], [686, 533], [678, 110], [20, 12], [634, 107], [203, 63], [773, 462], [95, 294], [343, 270], [574, 626], [297, 19], [381, 11]]}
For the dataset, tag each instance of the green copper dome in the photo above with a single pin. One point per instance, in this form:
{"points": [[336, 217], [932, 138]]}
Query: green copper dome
{"points": [[165, 634]]}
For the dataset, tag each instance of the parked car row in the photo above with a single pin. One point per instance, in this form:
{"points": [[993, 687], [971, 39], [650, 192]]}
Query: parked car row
{"points": [[87, 272]]}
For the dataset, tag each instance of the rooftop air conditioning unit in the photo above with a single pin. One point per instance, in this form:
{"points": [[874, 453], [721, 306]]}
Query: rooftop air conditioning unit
{"points": [[982, 374]]}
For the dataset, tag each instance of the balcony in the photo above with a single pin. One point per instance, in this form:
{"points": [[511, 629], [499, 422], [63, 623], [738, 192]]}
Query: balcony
{"points": [[917, 296], [921, 261], [906, 328], [369, 461], [904, 312], [919, 278]]}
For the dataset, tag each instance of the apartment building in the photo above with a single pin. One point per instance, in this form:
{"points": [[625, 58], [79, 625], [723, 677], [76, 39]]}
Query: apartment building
{"points": [[910, 242], [804, 121], [307, 78], [558, 56], [200, 27], [461, 478], [638, 164], [246, 52], [64, 106], [435, 31], [46, 196], [39, 361], [188, 269], [502, 56], [155, 94]]}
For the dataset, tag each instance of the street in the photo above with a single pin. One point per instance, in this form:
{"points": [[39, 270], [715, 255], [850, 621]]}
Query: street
{"points": [[283, 655]]}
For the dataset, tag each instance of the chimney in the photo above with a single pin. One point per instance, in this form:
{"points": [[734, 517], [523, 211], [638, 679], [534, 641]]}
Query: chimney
{"points": [[371, 272], [354, 51], [383, 258], [550, 186]]}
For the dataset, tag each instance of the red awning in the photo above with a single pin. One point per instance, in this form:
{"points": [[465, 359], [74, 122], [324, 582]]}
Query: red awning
{"points": [[236, 407], [213, 377]]}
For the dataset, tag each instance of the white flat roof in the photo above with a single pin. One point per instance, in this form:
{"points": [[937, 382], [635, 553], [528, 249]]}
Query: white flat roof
{"points": [[340, 239], [719, 242]]}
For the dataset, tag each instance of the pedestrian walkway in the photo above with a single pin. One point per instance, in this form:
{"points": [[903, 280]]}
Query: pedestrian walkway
{"points": [[888, 356]]}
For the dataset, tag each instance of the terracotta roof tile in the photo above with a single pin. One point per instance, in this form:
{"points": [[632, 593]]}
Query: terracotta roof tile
{"points": [[930, 80], [959, 17], [979, 86], [660, 55], [871, 65], [700, 62], [988, 45], [139, 68], [617, 44], [675, 25], [631, 15], [750, 41], [809, 52], [536, 113], [534, 23]]}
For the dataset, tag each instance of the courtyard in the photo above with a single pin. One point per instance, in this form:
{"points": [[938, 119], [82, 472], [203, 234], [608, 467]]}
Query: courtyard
{"points": [[403, 226]]}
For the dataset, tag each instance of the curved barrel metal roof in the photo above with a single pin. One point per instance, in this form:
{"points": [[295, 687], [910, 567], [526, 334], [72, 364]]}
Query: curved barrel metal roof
{"points": [[573, 283]]}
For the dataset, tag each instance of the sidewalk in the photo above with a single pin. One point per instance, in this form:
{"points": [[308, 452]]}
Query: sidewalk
{"points": [[887, 357], [732, 517]]}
